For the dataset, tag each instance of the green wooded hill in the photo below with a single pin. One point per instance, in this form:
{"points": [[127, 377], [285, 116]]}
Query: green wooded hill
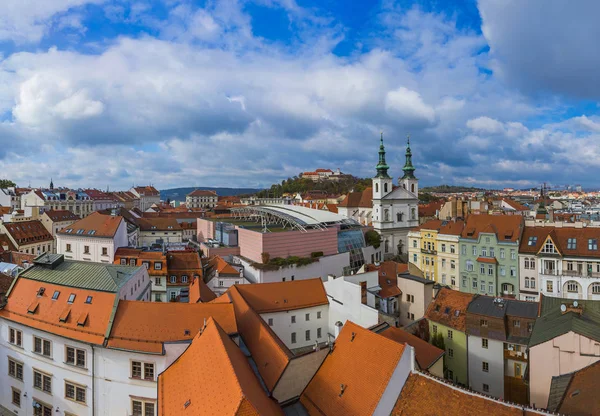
{"points": [[296, 184]]}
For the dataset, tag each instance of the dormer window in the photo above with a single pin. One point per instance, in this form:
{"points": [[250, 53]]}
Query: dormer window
{"points": [[532, 241], [71, 298], [592, 244], [572, 244], [549, 247], [55, 295]]}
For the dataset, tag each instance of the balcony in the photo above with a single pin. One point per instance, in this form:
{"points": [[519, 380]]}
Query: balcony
{"points": [[426, 251], [515, 355], [550, 272]]}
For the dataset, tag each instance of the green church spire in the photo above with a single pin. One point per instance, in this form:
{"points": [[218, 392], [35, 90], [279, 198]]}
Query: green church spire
{"points": [[409, 169], [382, 167]]}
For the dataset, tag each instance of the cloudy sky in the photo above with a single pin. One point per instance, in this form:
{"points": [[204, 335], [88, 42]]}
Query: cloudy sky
{"points": [[246, 93]]}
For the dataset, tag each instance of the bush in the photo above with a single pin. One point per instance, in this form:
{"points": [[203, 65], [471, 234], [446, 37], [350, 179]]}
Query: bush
{"points": [[372, 238], [265, 257], [316, 254]]}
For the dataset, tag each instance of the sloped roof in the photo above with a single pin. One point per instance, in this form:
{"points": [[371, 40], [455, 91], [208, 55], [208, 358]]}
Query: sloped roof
{"points": [[507, 228], [515, 205], [147, 190], [61, 215], [553, 323], [145, 326], [5, 282], [560, 236], [214, 377], [94, 225], [83, 274], [430, 209], [363, 362], [28, 232], [200, 292], [453, 227], [41, 312], [217, 263], [284, 296], [158, 224], [425, 396], [362, 199], [268, 351], [426, 354], [388, 277], [449, 308], [202, 192], [579, 392]]}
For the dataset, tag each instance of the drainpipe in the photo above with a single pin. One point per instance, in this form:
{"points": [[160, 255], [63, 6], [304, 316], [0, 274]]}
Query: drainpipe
{"points": [[93, 382]]}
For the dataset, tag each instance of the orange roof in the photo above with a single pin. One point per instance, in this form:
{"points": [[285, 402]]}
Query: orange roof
{"points": [[46, 315], [363, 362], [560, 237], [199, 292], [142, 256], [426, 354], [183, 260], [268, 352], [284, 296], [202, 192], [94, 225], [145, 326], [212, 376], [362, 199], [581, 395], [388, 277], [507, 228], [28, 232], [61, 215], [454, 227], [490, 260], [430, 210], [147, 191], [217, 263], [422, 395], [450, 308]]}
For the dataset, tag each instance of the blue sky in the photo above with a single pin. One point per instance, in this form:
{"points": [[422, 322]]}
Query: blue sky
{"points": [[241, 93]]}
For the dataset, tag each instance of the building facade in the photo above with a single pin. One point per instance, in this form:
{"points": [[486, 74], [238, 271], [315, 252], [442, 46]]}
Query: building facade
{"points": [[201, 199], [489, 246], [147, 195], [76, 201], [29, 237]]}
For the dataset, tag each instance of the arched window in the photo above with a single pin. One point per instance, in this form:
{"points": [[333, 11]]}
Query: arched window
{"points": [[376, 187], [532, 263], [533, 282], [387, 246], [527, 282], [413, 214], [399, 216], [412, 188], [385, 187], [572, 287], [526, 263]]}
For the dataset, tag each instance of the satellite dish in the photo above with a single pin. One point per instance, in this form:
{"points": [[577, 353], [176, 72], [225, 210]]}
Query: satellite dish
{"points": [[575, 303], [563, 308]]}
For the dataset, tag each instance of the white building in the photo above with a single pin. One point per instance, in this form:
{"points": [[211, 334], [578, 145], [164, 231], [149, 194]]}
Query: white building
{"points": [[559, 260], [9, 198], [201, 199], [350, 299], [55, 221], [159, 231], [148, 195], [95, 238], [76, 201], [220, 275]]}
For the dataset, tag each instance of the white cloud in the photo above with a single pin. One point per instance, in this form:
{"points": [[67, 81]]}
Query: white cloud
{"points": [[409, 105], [485, 125]]}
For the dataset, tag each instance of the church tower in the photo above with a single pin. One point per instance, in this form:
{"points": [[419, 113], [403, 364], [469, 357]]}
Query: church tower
{"points": [[409, 181], [382, 183]]}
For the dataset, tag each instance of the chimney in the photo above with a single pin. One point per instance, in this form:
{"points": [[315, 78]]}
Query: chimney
{"points": [[337, 329]]}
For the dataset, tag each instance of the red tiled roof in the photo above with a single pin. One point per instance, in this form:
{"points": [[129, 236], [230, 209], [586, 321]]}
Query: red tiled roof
{"points": [[490, 260], [507, 228], [284, 296], [430, 210], [388, 277], [453, 227], [443, 309], [61, 215], [581, 395], [424, 396], [145, 326], [363, 362], [98, 195], [362, 199], [560, 236], [28, 232], [202, 192], [99, 225], [426, 354], [147, 190], [217, 263], [200, 292], [212, 377]]}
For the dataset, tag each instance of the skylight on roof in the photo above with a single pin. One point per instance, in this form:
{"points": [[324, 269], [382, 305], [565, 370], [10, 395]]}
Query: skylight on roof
{"points": [[532, 241], [55, 295], [92, 232], [71, 298], [80, 231], [88, 299]]}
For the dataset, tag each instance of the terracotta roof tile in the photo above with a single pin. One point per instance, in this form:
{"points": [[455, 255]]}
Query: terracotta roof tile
{"points": [[507, 228], [48, 311], [362, 199], [269, 353], [200, 292], [456, 301], [454, 227], [515, 205], [145, 326], [388, 277], [214, 377], [202, 192], [430, 210], [217, 263], [490, 260], [363, 362], [424, 396], [147, 190], [284, 296], [61, 215], [94, 225], [581, 395], [561, 236], [158, 224], [425, 353], [28, 232]]}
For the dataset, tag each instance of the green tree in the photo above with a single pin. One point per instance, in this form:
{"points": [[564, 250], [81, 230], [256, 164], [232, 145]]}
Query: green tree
{"points": [[372, 238], [7, 183]]}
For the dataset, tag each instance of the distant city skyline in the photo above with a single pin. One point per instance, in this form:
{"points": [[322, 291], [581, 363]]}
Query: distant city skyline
{"points": [[247, 93]]}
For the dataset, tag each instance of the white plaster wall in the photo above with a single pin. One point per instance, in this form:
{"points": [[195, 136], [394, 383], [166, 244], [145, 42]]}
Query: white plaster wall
{"points": [[494, 355], [396, 383], [283, 326], [147, 238], [96, 244], [139, 287]]}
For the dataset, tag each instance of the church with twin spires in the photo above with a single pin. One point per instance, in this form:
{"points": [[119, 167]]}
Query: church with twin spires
{"points": [[391, 210]]}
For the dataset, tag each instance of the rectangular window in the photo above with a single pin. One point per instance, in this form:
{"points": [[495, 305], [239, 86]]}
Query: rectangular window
{"points": [[293, 337], [270, 321], [173, 279], [104, 251], [68, 249], [75, 356], [502, 253], [475, 284], [474, 250], [572, 243], [452, 264], [483, 323], [452, 249], [517, 324], [42, 346], [593, 244], [124, 262], [15, 337], [492, 254], [449, 334], [470, 266], [502, 271], [15, 369], [319, 315], [484, 343], [486, 388], [491, 288], [184, 279], [157, 265], [434, 329], [42, 381], [549, 286], [86, 249], [16, 397], [490, 270], [513, 254], [463, 250], [75, 392], [142, 408], [307, 334], [307, 317], [293, 319], [450, 353], [443, 248], [450, 375], [132, 262], [484, 251], [318, 332], [485, 366], [513, 271], [157, 281]]}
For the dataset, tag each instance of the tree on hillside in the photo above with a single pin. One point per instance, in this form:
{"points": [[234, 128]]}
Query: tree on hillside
{"points": [[7, 183]]}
